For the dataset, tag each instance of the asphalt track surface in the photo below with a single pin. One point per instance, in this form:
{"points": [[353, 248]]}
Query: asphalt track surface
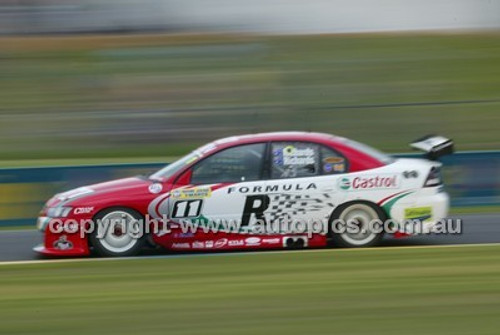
{"points": [[476, 229]]}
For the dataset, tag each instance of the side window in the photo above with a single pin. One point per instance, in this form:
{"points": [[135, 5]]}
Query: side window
{"points": [[294, 160], [237, 164], [332, 162]]}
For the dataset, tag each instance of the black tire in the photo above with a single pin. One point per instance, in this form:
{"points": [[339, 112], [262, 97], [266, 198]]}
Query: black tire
{"points": [[115, 238], [361, 212]]}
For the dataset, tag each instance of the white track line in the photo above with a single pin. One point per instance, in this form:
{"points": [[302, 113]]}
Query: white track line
{"points": [[79, 260]]}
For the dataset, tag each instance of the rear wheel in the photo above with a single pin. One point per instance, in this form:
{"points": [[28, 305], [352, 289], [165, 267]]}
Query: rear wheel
{"points": [[118, 232], [359, 216]]}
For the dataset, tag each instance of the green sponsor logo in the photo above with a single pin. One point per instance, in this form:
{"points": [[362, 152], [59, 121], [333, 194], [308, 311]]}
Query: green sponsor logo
{"points": [[418, 213], [345, 183]]}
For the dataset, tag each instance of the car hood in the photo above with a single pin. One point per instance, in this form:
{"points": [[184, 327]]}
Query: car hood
{"points": [[129, 186]]}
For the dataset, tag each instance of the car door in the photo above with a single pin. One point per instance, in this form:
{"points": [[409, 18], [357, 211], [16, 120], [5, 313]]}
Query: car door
{"points": [[221, 185], [302, 186]]}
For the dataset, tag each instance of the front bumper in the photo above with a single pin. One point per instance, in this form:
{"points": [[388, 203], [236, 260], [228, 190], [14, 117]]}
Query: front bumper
{"points": [[58, 242], [52, 252]]}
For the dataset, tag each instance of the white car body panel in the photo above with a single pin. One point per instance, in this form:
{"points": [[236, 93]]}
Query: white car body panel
{"points": [[397, 188]]}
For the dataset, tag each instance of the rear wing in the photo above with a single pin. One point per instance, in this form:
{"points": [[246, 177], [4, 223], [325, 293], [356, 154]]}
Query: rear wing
{"points": [[434, 146]]}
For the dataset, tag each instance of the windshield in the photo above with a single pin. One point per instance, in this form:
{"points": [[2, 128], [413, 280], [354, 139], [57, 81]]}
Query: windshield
{"points": [[384, 158], [169, 170]]}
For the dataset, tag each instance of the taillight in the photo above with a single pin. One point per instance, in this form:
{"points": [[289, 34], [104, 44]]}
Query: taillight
{"points": [[434, 177]]}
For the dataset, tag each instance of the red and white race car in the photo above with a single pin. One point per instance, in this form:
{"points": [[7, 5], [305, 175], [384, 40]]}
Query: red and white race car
{"points": [[262, 191]]}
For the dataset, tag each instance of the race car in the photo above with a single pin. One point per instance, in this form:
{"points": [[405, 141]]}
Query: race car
{"points": [[282, 190]]}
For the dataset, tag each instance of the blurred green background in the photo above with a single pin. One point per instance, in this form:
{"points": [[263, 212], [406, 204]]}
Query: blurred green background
{"points": [[137, 97]]}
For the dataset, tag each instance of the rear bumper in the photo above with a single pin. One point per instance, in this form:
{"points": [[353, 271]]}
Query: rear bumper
{"points": [[428, 206]]}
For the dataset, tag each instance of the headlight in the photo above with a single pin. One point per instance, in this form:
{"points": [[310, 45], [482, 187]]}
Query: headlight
{"points": [[41, 223], [58, 212]]}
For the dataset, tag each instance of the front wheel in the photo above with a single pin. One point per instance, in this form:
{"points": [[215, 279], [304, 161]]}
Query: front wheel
{"points": [[357, 219], [118, 232]]}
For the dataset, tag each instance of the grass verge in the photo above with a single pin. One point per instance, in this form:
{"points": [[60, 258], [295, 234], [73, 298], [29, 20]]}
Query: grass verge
{"points": [[451, 290]]}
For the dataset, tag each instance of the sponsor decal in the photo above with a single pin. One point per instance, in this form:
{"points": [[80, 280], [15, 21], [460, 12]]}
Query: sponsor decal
{"points": [[369, 182], [294, 156], [291, 156], [186, 209], [209, 244], [277, 157], [236, 243], [155, 188], [274, 240], [418, 213], [410, 174], [183, 235], [198, 245], [339, 167], [335, 164], [192, 159], [192, 193], [181, 246], [333, 160], [273, 188], [344, 183], [220, 243], [83, 210], [62, 243], [252, 241]]}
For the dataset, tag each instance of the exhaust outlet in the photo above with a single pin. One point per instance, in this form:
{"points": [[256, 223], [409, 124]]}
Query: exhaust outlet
{"points": [[295, 242]]}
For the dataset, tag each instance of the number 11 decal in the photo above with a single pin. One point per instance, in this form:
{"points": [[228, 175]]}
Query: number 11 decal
{"points": [[187, 209]]}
